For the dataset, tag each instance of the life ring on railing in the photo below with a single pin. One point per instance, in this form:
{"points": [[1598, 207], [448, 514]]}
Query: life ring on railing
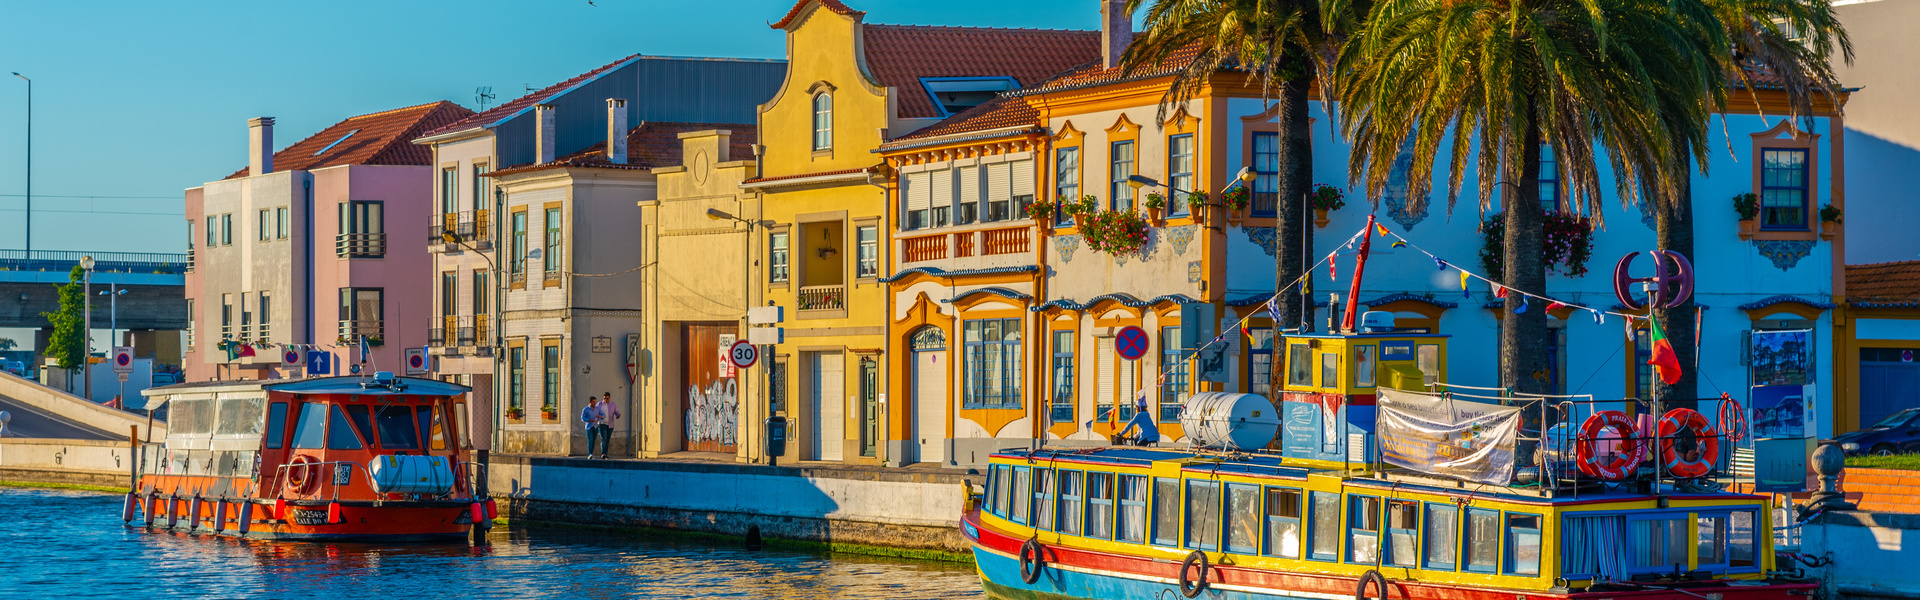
{"points": [[1193, 587], [1733, 418], [303, 475], [1031, 561], [1688, 444], [1626, 455], [1360, 591]]}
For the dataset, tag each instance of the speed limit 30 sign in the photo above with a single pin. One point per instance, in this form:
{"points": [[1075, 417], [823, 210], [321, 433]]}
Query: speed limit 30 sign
{"points": [[743, 354]]}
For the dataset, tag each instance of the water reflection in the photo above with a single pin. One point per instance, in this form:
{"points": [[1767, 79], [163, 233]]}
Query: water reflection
{"points": [[76, 548]]}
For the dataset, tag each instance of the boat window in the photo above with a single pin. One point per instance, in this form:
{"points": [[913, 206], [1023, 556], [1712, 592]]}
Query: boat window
{"points": [[395, 427], [1710, 541], [1363, 530], [1203, 515], [1329, 370], [1133, 508], [276, 425], [1483, 540], [1100, 505], [1593, 547], [436, 433], [1363, 365], [1043, 498], [1740, 540], [1166, 511], [1523, 544], [996, 488], [1443, 536], [1072, 510], [190, 417], [1243, 518], [1658, 544], [241, 417], [1019, 493], [459, 424], [311, 434], [1326, 525], [1299, 365], [1283, 522], [1403, 533], [340, 435]]}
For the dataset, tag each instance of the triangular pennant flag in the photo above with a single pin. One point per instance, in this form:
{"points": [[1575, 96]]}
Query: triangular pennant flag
{"points": [[1499, 291], [1397, 244], [1380, 228], [1522, 307], [1463, 284], [1599, 318], [1333, 269], [1439, 263], [1554, 305]]}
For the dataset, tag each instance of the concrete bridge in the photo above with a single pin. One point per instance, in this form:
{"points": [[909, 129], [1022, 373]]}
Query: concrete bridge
{"points": [[155, 284]]}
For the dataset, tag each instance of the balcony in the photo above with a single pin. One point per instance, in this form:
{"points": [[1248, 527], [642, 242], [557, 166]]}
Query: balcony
{"points": [[263, 333], [351, 330], [476, 331], [360, 245], [444, 335], [995, 239], [518, 278], [189, 260], [823, 298], [553, 273]]}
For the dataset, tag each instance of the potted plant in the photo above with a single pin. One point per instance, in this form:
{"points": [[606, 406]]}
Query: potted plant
{"points": [[1829, 220], [1196, 205], [1156, 206], [548, 414], [1083, 210], [1041, 211], [516, 414], [1236, 201], [1116, 232], [1326, 199], [1747, 206]]}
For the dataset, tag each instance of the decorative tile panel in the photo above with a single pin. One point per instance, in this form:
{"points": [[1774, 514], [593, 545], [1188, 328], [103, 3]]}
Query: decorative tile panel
{"points": [[1065, 245], [1263, 236], [1181, 236], [1785, 253]]}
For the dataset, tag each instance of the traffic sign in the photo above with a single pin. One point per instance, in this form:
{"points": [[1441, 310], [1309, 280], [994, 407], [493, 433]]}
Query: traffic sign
{"points": [[743, 354], [319, 362], [121, 376], [1131, 343], [416, 361], [767, 335], [293, 356], [122, 359]]}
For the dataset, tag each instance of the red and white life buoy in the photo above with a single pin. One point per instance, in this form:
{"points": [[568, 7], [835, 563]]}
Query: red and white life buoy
{"points": [[1688, 444], [1627, 451], [303, 475]]}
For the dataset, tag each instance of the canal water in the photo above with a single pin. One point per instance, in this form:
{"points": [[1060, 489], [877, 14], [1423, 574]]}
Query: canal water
{"points": [[58, 544]]}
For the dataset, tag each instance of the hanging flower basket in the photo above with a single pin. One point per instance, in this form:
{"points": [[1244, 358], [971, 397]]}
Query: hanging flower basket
{"points": [[1326, 199], [1236, 202], [1748, 207], [1829, 221], [1156, 206], [1567, 242], [1115, 232]]}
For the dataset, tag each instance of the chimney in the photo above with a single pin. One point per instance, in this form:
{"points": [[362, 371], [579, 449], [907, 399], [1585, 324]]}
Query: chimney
{"points": [[1116, 31], [716, 143], [260, 146], [617, 131], [542, 134]]}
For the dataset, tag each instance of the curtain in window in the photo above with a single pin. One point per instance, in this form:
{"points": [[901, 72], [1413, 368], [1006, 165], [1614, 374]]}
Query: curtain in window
{"points": [[1594, 546]]}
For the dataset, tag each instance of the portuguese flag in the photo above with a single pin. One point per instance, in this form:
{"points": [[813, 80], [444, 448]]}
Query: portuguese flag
{"points": [[1664, 360]]}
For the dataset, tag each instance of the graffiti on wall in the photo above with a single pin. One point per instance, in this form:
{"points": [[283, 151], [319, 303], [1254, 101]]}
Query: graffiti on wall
{"points": [[713, 413]]}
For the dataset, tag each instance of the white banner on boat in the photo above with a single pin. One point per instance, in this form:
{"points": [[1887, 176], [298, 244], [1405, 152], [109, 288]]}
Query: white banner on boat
{"points": [[1452, 437]]}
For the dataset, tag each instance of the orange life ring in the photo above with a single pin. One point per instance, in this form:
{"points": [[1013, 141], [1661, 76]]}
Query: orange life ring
{"points": [[1625, 457], [1688, 444], [302, 475]]}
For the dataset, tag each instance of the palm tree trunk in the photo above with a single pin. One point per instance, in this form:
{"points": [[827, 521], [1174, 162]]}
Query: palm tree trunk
{"points": [[1674, 231], [1293, 234], [1524, 335]]}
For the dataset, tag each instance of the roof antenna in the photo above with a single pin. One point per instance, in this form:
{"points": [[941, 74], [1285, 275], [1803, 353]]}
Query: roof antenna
{"points": [[482, 95]]}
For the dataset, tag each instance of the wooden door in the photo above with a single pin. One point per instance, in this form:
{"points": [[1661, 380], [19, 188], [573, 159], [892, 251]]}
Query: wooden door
{"points": [[829, 401], [711, 401]]}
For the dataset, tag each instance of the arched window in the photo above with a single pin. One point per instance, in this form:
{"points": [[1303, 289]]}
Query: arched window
{"points": [[823, 121]]}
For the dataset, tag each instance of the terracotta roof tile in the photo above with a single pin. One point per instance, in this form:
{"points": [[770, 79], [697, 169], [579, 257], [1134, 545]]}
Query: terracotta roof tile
{"points": [[501, 112], [1884, 284], [1093, 74], [649, 146], [832, 5], [803, 175], [998, 113], [382, 138], [899, 55]]}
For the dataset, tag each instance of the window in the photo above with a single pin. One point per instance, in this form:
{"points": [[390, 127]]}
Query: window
{"points": [[1243, 518], [1133, 509], [1043, 498], [1100, 505], [282, 223], [1203, 515], [482, 187], [264, 228], [1166, 511], [1363, 531], [1121, 194], [1062, 377], [822, 121], [246, 316], [1173, 394], [993, 363], [1283, 523], [449, 190], [1710, 541], [311, 432], [276, 425], [213, 232], [192, 319], [340, 435], [432, 428], [551, 257], [1179, 173], [517, 379], [1326, 525], [1549, 180], [955, 94], [481, 292], [394, 425], [1066, 181], [1260, 361], [1266, 171], [1363, 364], [362, 217], [1741, 541], [226, 229], [1020, 495], [265, 313], [550, 389], [1403, 533], [226, 315], [965, 196], [777, 257], [519, 263], [1072, 510], [1329, 370], [1483, 540], [869, 251], [1300, 365], [1642, 372], [1783, 189], [1443, 536], [777, 390], [916, 196], [361, 310], [1658, 544], [998, 478]]}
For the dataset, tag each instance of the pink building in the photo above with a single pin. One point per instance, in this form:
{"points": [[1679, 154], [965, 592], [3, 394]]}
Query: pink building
{"points": [[314, 246]]}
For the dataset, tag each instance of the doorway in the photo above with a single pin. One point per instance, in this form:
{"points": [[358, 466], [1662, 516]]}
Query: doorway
{"points": [[711, 400], [930, 399], [829, 404]]}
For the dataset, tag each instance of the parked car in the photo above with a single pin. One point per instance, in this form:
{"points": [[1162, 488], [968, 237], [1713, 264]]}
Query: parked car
{"points": [[160, 379], [1899, 433], [14, 367]]}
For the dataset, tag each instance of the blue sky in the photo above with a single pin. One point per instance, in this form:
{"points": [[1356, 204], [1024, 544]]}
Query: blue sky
{"points": [[136, 101]]}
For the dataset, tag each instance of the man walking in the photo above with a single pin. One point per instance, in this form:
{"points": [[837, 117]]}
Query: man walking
{"points": [[607, 413], [590, 417]]}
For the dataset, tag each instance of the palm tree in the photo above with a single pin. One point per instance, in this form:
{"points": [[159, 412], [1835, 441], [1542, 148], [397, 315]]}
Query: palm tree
{"points": [[1787, 40], [1282, 44], [1493, 82]]}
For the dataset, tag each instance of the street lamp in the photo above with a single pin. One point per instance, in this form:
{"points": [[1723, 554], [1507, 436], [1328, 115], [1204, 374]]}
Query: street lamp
{"points": [[29, 252], [1244, 177], [86, 331]]}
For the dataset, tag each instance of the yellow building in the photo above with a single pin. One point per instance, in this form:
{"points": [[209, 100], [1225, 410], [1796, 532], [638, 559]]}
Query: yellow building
{"points": [[825, 199]]}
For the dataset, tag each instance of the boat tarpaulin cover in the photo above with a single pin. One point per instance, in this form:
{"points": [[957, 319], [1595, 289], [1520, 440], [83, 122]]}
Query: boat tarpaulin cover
{"points": [[1446, 436]]}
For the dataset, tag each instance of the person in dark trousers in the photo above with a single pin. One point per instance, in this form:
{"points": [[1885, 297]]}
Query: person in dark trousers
{"points": [[607, 414], [590, 417], [1142, 424]]}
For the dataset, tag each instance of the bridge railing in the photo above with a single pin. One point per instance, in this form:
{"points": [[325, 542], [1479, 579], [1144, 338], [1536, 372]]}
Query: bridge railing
{"points": [[103, 262]]}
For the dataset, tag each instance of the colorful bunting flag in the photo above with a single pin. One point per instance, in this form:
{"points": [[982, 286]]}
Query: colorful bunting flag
{"points": [[1554, 305], [1397, 244], [1499, 291], [1380, 228], [1522, 307], [1664, 360]]}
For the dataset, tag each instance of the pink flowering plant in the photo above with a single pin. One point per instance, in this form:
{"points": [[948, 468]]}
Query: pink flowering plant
{"points": [[1115, 232], [1236, 198]]}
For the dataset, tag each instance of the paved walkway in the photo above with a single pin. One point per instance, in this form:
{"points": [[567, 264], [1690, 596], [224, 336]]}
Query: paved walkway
{"points": [[29, 422]]}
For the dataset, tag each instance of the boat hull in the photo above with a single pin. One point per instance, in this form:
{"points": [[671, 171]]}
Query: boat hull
{"points": [[358, 521]]}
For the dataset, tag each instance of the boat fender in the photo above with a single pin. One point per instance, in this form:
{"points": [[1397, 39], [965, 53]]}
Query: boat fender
{"points": [[153, 505], [280, 508], [492, 512], [173, 510], [193, 520], [1193, 587], [1360, 592], [1626, 455], [245, 517], [219, 515], [1688, 443], [1031, 561], [476, 511], [126, 508], [333, 513]]}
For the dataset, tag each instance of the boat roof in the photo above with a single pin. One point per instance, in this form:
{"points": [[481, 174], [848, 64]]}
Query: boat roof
{"points": [[344, 384]]}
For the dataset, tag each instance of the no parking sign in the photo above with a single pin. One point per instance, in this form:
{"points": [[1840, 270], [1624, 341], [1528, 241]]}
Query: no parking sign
{"points": [[416, 361], [1131, 343]]}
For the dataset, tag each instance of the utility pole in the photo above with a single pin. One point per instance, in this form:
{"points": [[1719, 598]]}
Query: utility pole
{"points": [[86, 331], [29, 253]]}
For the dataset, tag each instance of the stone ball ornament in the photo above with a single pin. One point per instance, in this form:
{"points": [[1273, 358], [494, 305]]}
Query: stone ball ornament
{"points": [[1670, 285]]}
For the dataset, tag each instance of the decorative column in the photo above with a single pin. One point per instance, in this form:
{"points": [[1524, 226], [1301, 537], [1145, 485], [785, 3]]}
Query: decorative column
{"points": [[1828, 462]]}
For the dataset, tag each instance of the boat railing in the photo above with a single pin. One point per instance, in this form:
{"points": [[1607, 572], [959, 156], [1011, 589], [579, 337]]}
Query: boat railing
{"points": [[329, 488]]}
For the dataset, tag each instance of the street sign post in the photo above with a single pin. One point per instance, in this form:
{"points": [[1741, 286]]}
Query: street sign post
{"points": [[1131, 343], [416, 361], [743, 354], [122, 359]]}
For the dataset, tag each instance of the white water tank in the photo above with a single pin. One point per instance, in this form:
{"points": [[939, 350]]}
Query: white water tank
{"points": [[1230, 420], [408, 474]]}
